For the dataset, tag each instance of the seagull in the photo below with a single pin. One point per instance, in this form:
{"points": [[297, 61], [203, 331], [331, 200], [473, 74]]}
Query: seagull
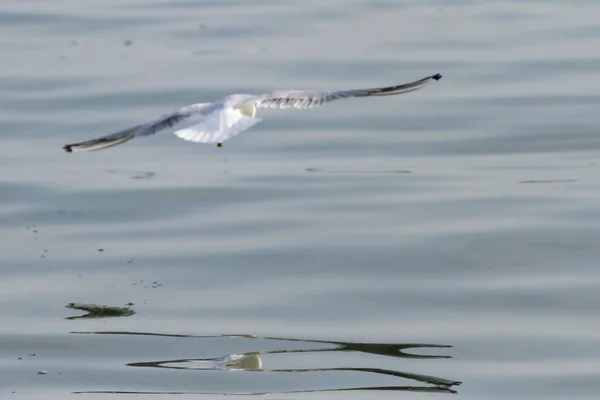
{"points": [[233, 114]]}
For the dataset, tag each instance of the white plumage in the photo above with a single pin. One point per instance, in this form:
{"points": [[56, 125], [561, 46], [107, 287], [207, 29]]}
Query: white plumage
{"points": [[236, 113]]}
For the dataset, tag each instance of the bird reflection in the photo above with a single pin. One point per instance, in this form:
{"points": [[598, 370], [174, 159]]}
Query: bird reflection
{"points": [[252, 361], [99, 311]]}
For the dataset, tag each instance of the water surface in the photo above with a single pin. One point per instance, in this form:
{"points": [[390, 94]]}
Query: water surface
{"points": [[444, 241]]}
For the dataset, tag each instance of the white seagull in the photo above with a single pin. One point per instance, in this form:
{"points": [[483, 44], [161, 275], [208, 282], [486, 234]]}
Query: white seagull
{"points": [[230, 116]]}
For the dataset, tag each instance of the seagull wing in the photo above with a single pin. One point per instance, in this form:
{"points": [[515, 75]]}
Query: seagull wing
{"points": [[150, 128], [311, 99], [224, 122], [220, 125]]}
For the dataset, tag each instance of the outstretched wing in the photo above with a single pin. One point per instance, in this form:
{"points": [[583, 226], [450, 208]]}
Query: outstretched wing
{"points": [[310, 99], [150, 128], [219, 126]]}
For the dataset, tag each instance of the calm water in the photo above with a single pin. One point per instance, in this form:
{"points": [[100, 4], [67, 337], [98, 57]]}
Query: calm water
{"points": [[381, 248]]}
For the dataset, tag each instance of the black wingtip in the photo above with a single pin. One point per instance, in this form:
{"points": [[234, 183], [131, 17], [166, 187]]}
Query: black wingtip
{"points": [[67, 148], [437, 77]]}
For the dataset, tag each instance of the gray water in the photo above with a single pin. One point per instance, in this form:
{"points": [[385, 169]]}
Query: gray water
{"points": [[440, 241]]}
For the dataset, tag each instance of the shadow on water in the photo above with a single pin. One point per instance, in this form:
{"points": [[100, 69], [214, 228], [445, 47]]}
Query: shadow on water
{"points": [[252, 361]]}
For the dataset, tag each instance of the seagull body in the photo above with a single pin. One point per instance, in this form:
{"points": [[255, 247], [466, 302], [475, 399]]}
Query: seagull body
{"points": [[233, 114]]}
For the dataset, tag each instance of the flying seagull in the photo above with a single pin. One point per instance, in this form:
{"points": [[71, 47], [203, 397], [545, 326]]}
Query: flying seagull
{"points": [[230, 116]]}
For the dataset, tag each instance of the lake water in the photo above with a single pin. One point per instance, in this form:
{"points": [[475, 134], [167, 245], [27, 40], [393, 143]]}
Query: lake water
{"points": [[443, 241]]}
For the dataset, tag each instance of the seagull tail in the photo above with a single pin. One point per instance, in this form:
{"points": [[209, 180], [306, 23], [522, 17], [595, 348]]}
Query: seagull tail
{"points": [[102, 142]]}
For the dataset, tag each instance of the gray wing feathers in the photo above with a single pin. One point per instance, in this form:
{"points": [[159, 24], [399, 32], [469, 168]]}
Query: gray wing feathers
{"points": [[398, 89], [310, 99], [173, 118], [103, 142], [299, 99], [150, 128]]}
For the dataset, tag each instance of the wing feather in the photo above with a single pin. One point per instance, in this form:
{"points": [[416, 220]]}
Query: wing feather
{"points": [[310, 99], [150, 128]]}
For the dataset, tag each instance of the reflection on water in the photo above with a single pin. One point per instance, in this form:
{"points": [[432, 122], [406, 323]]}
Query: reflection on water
{"points": [[387, 388], [357, 171], [100, 311], [254, 361], [134, 174], [550, 181]]}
